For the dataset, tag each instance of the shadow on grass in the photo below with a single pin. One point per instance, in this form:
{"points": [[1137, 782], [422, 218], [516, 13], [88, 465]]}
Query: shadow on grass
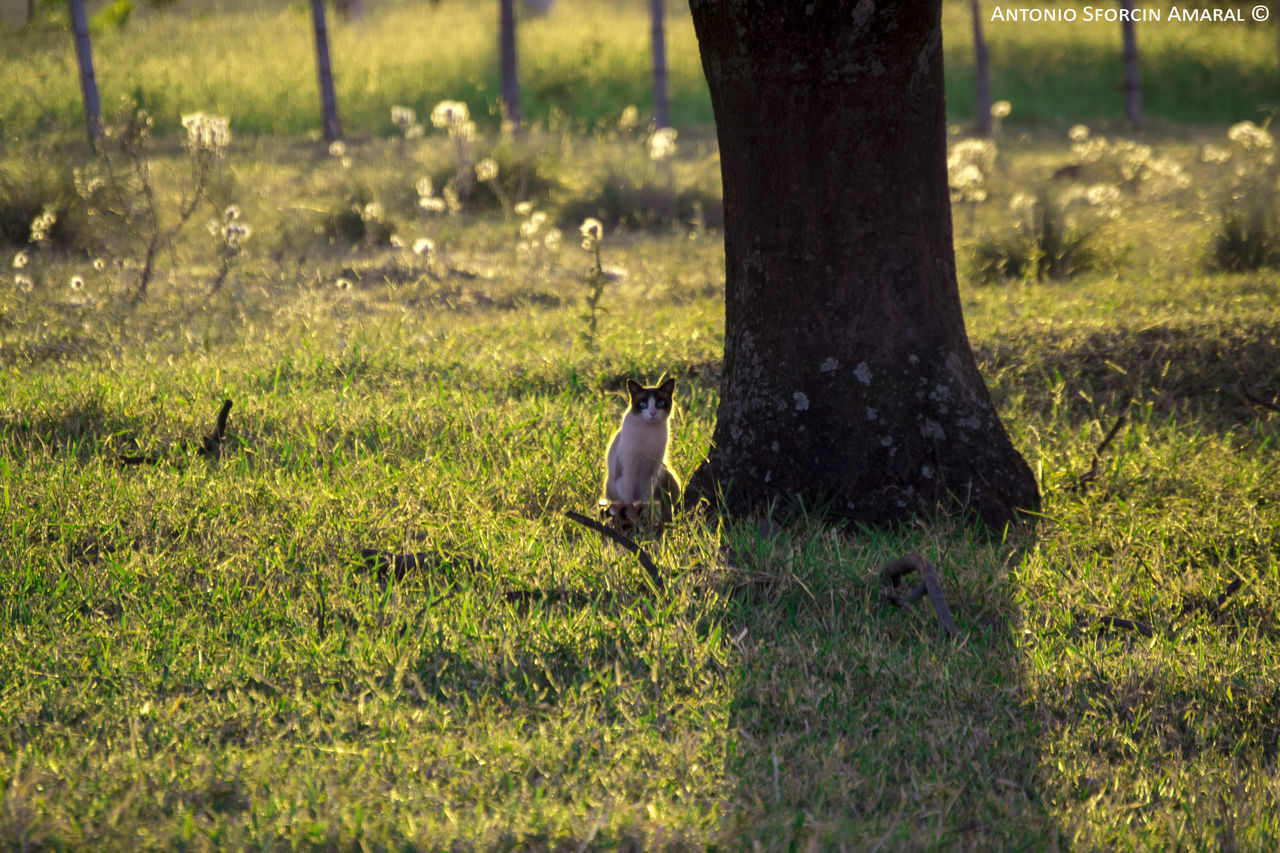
{"points": [[1196, 369], [853, 725]]}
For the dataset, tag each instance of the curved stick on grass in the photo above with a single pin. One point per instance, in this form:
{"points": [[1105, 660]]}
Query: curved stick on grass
{"points": [[386, 563], [626, 542], [212, 445], [1092, 474], [1257, 400], [895, 570], [1128, 624]]}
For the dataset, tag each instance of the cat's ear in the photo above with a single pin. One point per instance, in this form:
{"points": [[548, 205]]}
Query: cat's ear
{"points": [[669, 386], [634, 387]]}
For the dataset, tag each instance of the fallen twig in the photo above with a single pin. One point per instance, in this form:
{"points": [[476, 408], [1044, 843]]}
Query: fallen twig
{"points": [[1171, 630], [385, 563], [1116, 622], [212, 445], [895, 570], [1092, 474], [626, 542], [1257, 400]]}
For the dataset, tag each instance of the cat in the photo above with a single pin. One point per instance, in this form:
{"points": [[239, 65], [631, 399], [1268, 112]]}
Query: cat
{"points": [[636, 465]]}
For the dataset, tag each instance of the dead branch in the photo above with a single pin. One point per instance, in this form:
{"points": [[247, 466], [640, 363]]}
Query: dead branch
{"points": [[1092, 474], [1128, 624], [386, 564], [212, 446], [895, 570], [1257, 400], [626, 542], [1171, 630]]}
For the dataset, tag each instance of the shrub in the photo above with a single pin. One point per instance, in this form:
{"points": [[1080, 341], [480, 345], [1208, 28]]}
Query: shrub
{"points": [[1046, 241], [29, 189]]}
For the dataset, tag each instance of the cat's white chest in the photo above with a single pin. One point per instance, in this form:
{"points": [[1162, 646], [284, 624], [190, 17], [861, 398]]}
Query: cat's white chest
{"points": [[636, 457]]}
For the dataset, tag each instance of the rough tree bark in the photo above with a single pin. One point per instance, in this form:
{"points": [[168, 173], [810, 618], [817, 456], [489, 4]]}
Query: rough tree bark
{"points": [[88, 83], [328, 101], [661, 116], [507, 53], [848, 375], [1129, 53], [981, 74]]}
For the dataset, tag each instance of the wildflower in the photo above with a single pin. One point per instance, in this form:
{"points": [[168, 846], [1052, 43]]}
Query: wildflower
{"points": [[423, 246], [1022, 202], [425, 188], [592, 231], [629, 119], [1100, 194], [207, 132], [486, 170], [1078, 133], [452, 203], [235, 234], [77, 283], [41, 225], [403, 117], [662, 143], [449, 114], [343, 284], [414, 132], [1090, 150], [397, 242], [232, 213], [99, 264], [371, 212], [1246, 134], [432, 205], [337, 148], [966, 177], [552, 238], [1000, 109], [23, 282], [524, 208], [1211, 153], [980, 153], [20, 260], [533, 224]]}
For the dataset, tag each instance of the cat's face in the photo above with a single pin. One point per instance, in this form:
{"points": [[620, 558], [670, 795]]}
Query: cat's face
{"points": [[651, 404]]}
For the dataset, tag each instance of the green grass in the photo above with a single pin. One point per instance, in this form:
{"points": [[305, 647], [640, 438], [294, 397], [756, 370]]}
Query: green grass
{"points": [[192, 654], [579, 66]]}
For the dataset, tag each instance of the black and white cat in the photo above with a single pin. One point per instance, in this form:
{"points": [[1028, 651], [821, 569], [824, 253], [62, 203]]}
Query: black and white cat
{"points": [[636, 466]]}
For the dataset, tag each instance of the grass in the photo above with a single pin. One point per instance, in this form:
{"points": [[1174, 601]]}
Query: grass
{"points": [[580, 65], [193, 654]]}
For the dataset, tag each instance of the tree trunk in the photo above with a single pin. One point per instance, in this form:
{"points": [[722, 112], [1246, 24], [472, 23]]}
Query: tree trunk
{"points": [[1132, 78], [981, 74], [661, 117], [88, 83], [510, 77], [328, 101], [31, 11], [848, 377]]}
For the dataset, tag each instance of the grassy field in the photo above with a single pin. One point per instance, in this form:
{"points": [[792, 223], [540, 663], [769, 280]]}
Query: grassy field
{"points": [[579, 65], [195, 655]]}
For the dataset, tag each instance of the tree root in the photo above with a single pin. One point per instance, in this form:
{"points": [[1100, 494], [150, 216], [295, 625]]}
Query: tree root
{"points": [[895, 570]]}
